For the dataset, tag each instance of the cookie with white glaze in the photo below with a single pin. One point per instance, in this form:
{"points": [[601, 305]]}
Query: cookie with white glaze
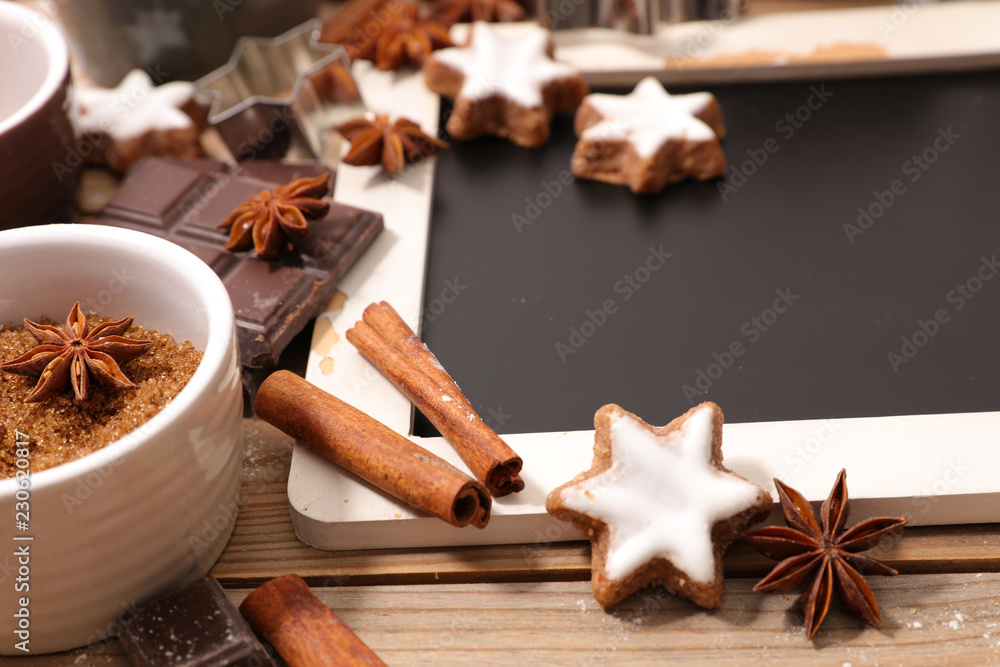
{"points": [[648, 138], [137, 119], [658, 505], [508, 87]]}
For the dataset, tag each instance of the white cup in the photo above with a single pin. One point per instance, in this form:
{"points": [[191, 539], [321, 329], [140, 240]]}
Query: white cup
{"points": [[153, 510]]}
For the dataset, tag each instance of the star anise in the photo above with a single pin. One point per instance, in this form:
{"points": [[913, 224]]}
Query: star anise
{"points": [[825, 552], [268, 219], [374, 140], [73, 354], [335, 83], [399, 36], [453, 11]]}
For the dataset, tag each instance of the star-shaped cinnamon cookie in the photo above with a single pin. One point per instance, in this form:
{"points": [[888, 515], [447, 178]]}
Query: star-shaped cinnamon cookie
{"points": [[658, 505], [138, 119], [509, 87], [649, 138]]}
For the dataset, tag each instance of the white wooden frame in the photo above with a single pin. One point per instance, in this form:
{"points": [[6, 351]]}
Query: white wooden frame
{"points": [[934, 469]]}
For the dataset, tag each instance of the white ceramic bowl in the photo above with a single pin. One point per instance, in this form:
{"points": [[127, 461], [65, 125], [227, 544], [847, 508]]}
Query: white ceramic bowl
{"points": [[39, 159], [153, 510]]}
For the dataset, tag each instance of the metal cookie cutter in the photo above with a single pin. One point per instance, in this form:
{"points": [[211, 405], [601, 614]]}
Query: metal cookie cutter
{"points": [[280, 97], [638, 16]]}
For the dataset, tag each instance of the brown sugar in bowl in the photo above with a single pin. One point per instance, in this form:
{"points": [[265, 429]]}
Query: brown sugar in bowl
{"points": [[63, 428], [154, 509]]}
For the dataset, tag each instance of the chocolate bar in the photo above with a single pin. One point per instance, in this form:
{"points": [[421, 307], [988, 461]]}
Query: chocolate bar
{"points": [[184, 201], [194, 625]]}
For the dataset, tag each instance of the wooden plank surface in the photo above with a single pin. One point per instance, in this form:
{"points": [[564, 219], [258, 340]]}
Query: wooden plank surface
{"points": [[932, 619], [532, 604], [264, 545]]}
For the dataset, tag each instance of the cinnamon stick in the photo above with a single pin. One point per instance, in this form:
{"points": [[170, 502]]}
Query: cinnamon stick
{"points": [[385, 340], [371, 450], [303, 630]]}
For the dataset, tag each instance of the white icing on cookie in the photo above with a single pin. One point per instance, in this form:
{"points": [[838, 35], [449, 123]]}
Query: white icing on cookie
{"points": [[134, 107], [516, 68], [649, 117], [661, 496]]}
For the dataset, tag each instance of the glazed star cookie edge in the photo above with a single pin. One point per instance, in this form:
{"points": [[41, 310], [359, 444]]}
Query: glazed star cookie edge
{"points": [[138, 119], [483, 107], [608, 151], [655, 569]]}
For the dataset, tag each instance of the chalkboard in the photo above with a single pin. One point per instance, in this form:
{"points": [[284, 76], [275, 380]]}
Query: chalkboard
{"points": [[846, 266]]}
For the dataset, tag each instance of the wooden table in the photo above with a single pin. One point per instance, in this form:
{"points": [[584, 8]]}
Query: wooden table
{"points": [[532, 604]]}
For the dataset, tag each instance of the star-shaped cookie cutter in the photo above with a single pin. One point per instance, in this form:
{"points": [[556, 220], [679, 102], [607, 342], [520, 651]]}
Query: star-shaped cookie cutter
{"points": [[280, 97]]}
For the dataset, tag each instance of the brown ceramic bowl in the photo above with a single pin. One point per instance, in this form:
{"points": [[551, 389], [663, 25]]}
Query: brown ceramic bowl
{"points": [[39, 169]]}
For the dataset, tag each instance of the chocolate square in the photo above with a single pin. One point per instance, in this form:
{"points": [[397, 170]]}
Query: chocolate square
{"points": [[196, 625], [185, 200]]}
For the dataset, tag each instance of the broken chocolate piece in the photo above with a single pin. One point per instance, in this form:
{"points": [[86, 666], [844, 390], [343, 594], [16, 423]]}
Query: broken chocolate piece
{"points": [[184, 200], [194, 625]]}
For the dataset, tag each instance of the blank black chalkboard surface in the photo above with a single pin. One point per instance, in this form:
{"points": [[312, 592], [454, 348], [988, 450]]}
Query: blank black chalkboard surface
{"points": [[846, 266]]}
